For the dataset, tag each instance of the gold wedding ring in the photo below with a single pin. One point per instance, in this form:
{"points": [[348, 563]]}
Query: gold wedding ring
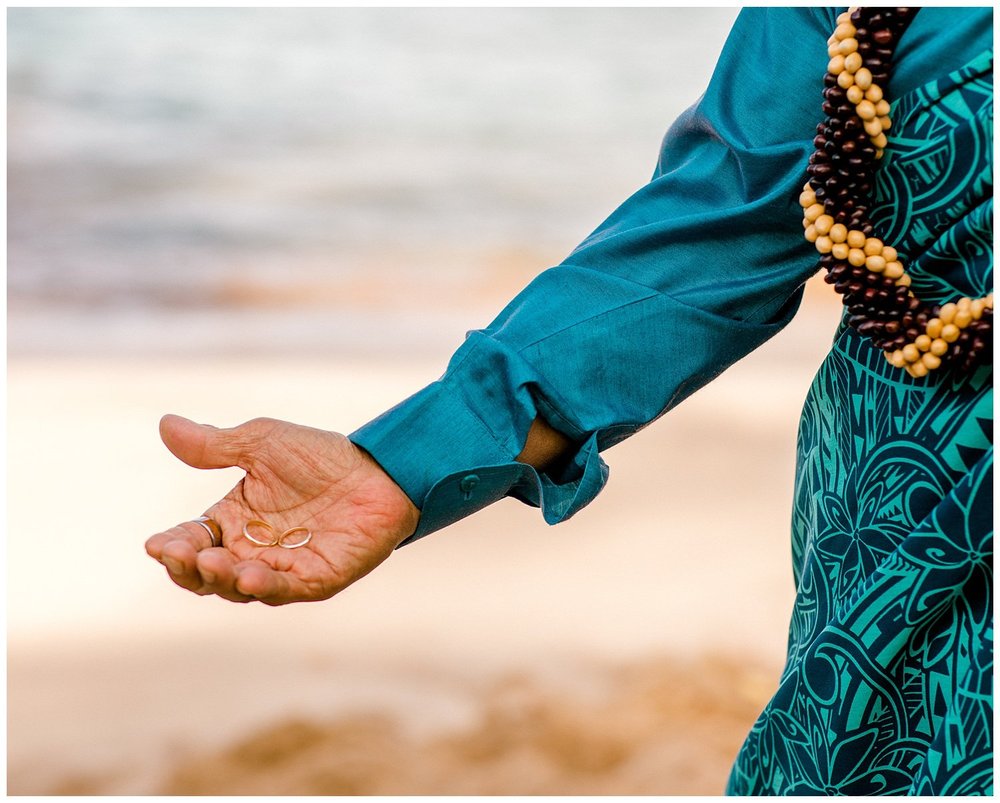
{"points": [[246, 533], [279, 540], [296, 545], [211, 527]]}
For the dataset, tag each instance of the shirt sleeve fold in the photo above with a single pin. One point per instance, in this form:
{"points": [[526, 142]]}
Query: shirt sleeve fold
{"points": [[688, 275]]}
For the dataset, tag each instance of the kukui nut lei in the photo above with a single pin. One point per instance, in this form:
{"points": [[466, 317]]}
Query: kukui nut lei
{"points": [[914, 335]]}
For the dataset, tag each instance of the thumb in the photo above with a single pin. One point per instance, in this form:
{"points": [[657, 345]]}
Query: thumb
{"points": [[204, 446]]}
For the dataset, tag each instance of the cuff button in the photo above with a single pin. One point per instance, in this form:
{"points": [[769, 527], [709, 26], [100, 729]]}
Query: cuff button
{"points": [[468, 484]]}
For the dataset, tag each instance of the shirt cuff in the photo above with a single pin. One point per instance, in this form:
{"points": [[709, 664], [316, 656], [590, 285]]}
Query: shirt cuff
{"points": [[451, 463]]}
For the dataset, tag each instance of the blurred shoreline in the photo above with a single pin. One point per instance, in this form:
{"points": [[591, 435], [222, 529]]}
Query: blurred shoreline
{"points": [[180, 177]]}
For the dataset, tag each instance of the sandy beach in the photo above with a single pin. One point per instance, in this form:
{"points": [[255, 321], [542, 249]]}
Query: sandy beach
{"points": [[626, 651]]}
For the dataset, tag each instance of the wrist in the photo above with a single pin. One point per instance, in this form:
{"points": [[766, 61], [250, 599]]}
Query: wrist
{"points": [[402, 514], [546, 449]]}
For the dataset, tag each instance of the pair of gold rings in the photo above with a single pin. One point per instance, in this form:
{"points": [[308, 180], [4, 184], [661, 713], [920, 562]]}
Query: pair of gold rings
{"points": [[287, 539]]}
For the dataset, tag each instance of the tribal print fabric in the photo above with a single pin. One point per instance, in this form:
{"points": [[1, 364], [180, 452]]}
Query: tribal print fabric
{"points": [[888, 683]]}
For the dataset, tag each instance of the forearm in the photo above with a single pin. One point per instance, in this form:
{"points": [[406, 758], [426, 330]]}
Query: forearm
{"points": [[545, 448]]}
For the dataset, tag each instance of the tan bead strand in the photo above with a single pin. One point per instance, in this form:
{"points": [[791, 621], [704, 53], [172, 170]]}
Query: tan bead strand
{"points": [[846, 63], [850, 244], [873, 110], [924, 354]]}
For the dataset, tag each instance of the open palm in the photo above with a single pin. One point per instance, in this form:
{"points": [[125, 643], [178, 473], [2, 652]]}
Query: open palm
{"points": [[295, 477]]}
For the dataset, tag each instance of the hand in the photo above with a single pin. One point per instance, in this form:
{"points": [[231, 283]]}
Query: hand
{"points": [[295, 476]]}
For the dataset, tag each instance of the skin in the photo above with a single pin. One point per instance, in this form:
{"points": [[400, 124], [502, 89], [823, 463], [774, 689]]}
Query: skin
{"points": [[296, 476]]}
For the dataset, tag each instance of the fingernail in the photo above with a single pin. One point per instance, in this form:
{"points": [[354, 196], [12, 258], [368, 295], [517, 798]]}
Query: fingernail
{"points": [[207, 576], [174, 566]]}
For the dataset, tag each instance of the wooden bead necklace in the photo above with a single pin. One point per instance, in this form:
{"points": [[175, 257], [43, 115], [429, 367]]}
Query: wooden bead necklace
{"points": [[914, 335]]}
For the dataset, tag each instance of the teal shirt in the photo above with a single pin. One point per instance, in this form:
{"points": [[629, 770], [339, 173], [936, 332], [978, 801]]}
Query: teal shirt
{"points": [[694, 271]]}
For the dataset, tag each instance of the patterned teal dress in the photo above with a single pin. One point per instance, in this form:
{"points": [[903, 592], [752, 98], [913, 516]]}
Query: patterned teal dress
{"points": [[887, 687]]}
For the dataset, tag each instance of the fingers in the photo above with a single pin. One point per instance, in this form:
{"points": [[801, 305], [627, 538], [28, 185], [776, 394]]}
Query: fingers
{"points": [[189, 532], [194, 565], [272, 587], [217, 569], [181, 560], [182, 550], [245, 581], [204, 446]]}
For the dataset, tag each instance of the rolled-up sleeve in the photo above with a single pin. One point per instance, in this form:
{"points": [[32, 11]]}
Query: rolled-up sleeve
{"points": [[694, 271]]}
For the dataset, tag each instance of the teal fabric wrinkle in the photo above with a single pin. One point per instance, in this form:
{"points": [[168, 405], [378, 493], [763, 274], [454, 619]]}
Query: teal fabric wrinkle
{"points": [[692, 272]]}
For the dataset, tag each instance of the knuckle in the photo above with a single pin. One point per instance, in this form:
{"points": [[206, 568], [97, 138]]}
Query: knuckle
{"points": [[247, 439], [259, 427]]}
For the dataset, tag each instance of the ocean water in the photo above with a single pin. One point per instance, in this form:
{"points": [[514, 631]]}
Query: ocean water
{"points": [[279, 181]]}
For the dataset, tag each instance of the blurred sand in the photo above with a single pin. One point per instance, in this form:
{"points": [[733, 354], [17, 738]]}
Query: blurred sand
{"points": [[624, 652], [661, 727]]}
